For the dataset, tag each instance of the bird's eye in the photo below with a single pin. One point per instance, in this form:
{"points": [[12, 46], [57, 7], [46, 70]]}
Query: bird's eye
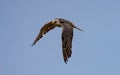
{"points": [[61, 22]]}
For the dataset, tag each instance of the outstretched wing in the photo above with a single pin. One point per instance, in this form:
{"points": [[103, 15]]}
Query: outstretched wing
{"points": [[67, 36], [47, 27]]}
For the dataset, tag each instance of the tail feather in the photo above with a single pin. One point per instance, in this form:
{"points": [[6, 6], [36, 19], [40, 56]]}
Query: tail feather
{"points": [[77, 28]]}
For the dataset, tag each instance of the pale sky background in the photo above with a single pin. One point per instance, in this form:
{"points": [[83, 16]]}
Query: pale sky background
{"points": [[96, 51]]}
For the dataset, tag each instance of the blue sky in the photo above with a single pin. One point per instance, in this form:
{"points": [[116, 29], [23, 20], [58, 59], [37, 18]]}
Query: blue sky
{"points": [[96, 51]]}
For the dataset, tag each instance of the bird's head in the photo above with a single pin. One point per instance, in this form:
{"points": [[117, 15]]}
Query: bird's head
{"points": [[56, 21], [62, 21]]}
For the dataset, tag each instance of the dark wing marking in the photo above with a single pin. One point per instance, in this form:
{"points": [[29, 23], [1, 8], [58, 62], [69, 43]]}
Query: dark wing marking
{"points": [[47, 27], [67, 36]]}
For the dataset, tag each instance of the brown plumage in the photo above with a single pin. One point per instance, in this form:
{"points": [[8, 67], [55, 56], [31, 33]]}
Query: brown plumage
{"points": [[67, 34]]}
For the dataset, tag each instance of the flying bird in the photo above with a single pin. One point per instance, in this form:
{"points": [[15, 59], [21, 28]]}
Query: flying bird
{"points": [[67, 34]]}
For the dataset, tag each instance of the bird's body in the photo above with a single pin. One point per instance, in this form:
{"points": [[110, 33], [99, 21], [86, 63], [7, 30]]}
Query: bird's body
{"points": [[67, 34]]}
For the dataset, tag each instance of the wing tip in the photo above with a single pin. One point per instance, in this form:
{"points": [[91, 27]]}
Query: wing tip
{"points": [[32, 44], [66, 60]]}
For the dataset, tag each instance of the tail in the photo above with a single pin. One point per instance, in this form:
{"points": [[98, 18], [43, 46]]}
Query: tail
{"points": [[77, 28]]}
